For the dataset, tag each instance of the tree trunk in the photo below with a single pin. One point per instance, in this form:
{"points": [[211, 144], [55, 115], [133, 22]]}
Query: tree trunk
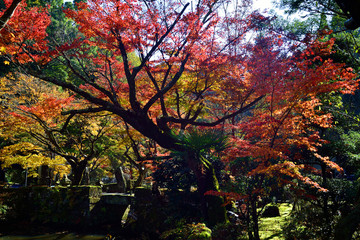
{"points": [[255, 219], [8, 13], [246, 214], [120, 179], [44, 178], [78, 170], [212, 206], [325, 206], [2, 175]]}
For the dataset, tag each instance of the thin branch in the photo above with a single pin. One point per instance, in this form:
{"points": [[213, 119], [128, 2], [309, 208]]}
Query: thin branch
{"points": [[157, 44], [93, 84], [168, 86], [214, 123]]}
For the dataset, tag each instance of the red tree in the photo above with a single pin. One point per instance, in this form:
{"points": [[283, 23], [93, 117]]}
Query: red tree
{"points": [[23, 32], [290, 112], [7, 14]]}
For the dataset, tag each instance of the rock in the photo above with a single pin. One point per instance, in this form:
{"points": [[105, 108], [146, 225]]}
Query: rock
{"points": [[271, 211]]}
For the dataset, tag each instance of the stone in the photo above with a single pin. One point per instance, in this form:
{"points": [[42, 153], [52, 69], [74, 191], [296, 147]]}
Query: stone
{"points": [[271, 211]]}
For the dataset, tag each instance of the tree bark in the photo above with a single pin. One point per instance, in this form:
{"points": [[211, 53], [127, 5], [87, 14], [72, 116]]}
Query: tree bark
{"points": [[211, 206], [78, 170], [325, 206], [120, 179], [8, 13], [255, 219]]}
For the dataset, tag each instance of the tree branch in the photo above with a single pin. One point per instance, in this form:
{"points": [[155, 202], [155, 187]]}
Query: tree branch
{"points": [[8, 13], [168, 86], [82, 111], [212, 124]]}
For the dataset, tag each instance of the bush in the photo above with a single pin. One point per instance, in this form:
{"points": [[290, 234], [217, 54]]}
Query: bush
{"points": [[42, 205], [316, 217], [197, 231], [229, 231], [174, 174], [309, 222]]}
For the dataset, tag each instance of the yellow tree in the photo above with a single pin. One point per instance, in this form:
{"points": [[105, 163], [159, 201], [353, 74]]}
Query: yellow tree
{"points": [[33, 120], [17, 90]]}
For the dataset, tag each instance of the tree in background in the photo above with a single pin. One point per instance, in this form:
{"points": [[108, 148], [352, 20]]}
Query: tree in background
{"points": [[24, 32], [19, 90], [32, 115], [344, 108]]}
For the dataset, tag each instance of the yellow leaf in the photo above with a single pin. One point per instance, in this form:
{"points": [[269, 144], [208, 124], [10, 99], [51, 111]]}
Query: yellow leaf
{"points": [[6, 62]]}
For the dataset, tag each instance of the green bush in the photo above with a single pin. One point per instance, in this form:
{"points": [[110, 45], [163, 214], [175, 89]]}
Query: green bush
{"points": [[197, 231], [3, 211], [309, 222], [316, 217], [229, 231]]}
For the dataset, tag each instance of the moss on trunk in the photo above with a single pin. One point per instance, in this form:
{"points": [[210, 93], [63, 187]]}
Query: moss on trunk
{"points": [[213, 208]]}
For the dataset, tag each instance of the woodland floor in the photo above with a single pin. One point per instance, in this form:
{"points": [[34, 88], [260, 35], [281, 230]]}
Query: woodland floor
{"points": [[270, 228]]}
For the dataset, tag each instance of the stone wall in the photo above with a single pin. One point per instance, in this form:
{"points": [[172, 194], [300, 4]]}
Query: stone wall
{"points": [[63, 206]]}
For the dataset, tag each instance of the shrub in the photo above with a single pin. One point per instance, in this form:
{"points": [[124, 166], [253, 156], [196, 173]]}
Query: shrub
{"points": [[309, 222], [229, 231], [197, 231]]}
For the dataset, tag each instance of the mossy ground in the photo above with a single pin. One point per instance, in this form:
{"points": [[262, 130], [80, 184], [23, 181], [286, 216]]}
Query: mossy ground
{"points": [[270, 228]]}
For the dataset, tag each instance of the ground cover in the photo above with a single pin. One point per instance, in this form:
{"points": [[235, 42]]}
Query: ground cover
{"points": [[270, 227]]}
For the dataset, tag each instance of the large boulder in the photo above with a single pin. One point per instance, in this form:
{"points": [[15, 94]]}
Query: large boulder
{"points": [[271, 211]]}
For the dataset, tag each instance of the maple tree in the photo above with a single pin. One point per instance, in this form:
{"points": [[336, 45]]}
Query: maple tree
{"points": [[30, 157], [291, 107], [6, 15], [23, 30], [283, 131], [195, 67], [112, 74], [328, 14]]}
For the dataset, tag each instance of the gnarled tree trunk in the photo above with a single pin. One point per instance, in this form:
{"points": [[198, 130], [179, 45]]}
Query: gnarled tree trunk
{"points": [[211, 206], [78, 170]]}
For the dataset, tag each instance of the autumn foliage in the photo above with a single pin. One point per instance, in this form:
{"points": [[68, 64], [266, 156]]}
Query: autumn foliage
{"points": [[24, 33], [27, 108], [166, 67], [290, 113]]}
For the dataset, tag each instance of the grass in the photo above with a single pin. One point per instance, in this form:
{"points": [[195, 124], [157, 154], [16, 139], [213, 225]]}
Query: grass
{"points": [[270, 228]]}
